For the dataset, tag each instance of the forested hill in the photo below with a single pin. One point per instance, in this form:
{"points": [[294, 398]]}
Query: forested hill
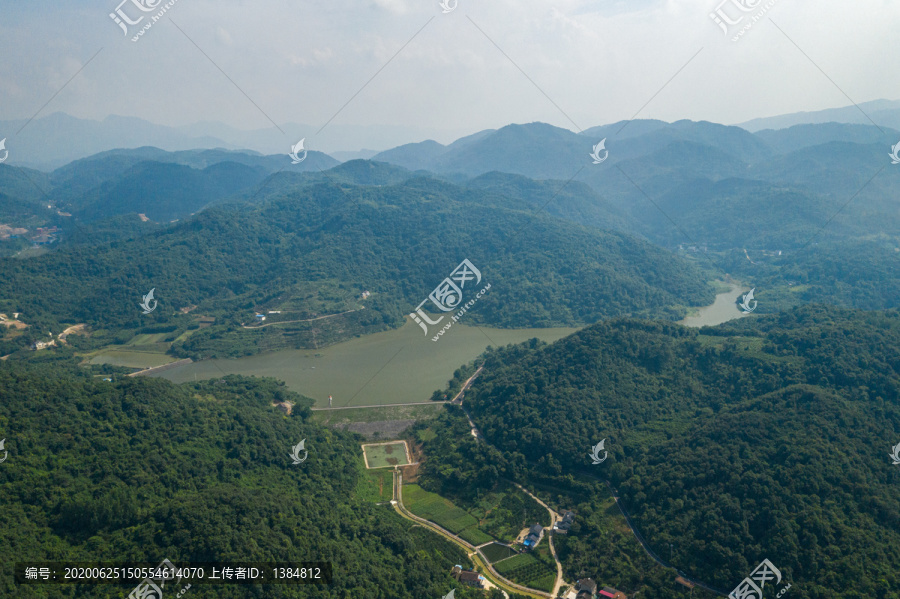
{"points": [[397, 241], [765, 438], [143, 470]]}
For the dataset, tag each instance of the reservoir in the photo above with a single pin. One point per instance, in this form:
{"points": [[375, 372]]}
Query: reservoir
{"points": [[402, 365], [399, 366], [722, 310]]}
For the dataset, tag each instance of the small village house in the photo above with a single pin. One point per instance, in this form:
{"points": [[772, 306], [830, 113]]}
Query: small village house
{"points": [[534, 535], [611, 593], [587, 589], [467, 577], [565, 524]]}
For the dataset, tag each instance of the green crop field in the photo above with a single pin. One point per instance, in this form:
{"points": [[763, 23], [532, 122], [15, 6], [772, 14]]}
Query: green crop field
{"points": [[515, 562], [437, 509], [528, 570], [383, 456], [496, 552], [544, 583], [475, 535]]}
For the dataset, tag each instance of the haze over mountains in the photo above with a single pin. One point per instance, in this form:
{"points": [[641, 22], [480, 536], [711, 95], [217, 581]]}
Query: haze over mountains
{"points": [[804, 212], [623, 245], [673, 183], [75, 138]]}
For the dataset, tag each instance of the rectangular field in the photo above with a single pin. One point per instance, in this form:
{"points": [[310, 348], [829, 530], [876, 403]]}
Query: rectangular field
{"points": [[385, 455], [474, 535], [523, 560], [528, 570], [437, 509], [496, 552]]}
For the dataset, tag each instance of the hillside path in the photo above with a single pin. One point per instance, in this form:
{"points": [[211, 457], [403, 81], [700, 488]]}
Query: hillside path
{"points": [[262, 326], [466, 385], [458, 400], [646, 546]]}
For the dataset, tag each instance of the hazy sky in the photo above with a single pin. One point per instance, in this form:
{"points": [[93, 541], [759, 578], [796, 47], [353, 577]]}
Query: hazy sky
{"points": [[301, 61]]}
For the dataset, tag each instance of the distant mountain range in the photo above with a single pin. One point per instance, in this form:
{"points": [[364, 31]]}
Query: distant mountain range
{"points": [[694, 183], [74, 138], [52, 141], [717, 199], [885, 113]]}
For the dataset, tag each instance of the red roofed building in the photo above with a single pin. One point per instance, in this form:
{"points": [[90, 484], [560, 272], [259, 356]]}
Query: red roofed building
{"points": [[611, 593]]}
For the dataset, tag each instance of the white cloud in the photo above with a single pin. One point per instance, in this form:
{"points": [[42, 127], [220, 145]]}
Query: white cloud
{"points": [[598, 60]]}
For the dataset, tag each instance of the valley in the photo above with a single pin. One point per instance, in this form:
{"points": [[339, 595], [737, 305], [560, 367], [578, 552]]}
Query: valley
{"points": [[309, 408]]}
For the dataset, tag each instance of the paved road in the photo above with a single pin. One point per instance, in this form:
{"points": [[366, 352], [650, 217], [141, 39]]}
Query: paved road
{"points": [[554, 518], [481, 559], [628, 521]]}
